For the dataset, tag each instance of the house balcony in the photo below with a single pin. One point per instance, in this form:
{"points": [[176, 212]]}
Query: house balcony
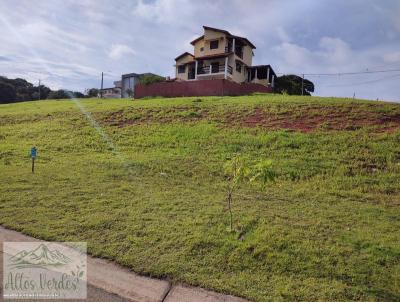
{"points": [[238, 51], [213, 69]]}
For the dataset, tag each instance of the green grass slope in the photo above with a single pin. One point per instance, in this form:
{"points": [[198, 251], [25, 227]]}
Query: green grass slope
{"points": [[142, 182]]}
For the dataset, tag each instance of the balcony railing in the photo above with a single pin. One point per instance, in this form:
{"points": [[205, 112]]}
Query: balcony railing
{"points": [[210, 69], [238, 50]]}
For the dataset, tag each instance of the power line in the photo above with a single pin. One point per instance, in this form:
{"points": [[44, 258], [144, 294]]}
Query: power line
{"points": [[365, 82], [344, 73]]}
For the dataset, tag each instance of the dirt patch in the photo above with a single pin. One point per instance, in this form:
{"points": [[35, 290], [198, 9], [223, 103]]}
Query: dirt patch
{"points": [[141, 116], [328, 118], [296, 118]]}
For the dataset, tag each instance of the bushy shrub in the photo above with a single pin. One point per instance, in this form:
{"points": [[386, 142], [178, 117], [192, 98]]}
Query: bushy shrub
{"points": [[148, 79], [7, 93]]}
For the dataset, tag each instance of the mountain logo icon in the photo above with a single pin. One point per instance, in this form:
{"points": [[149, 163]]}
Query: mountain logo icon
{"points": [[40, 257]]}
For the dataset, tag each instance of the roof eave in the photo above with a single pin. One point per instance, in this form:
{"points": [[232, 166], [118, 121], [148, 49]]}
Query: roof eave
{"points": [[217, 29], [184, 54], [197, 39], [245, 40]]}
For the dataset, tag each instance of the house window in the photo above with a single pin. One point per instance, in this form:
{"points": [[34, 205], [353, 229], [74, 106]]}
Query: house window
{"points": [[238, 67], [214, 44], [181, 68], [201, 48]]}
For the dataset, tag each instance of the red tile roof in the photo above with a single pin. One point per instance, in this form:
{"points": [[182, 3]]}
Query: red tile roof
{"points": [[184, 54], [226, 33]]}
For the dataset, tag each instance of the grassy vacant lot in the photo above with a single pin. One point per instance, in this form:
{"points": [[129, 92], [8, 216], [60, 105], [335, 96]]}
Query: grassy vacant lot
{"points": [[144, 185]]}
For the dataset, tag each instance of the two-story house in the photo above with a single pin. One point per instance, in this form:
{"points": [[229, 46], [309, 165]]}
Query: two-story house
{"points": [[220, 55]]}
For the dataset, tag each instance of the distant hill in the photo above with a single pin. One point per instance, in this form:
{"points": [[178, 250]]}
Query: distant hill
{"points": [[20, 90]]}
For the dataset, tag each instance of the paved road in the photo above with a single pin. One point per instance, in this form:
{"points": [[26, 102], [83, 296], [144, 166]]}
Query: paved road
{"points": [[93, 294], [106, 277]]}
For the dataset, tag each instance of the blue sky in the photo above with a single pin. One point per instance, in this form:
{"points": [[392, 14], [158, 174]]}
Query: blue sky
{"points": [[68, 43]]}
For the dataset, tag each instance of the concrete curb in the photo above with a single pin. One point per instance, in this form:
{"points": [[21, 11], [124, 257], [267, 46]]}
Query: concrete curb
{"points": [[116, 279]]}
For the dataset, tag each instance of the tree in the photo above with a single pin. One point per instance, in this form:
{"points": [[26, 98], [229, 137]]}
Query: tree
{"points": [[18, 90], [129, 92], [7, 93], [291, 84], [150, 78], [78, 95], [22, 88], [26, 91], [235, 171], [93, 92], [44, 91], [60, 94], [65, 94], [43, 94], [238, 170]]}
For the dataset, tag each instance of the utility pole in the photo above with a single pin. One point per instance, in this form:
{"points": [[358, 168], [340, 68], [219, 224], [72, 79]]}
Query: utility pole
{"points": [[302, 85], [101, 90], [39, 89]]}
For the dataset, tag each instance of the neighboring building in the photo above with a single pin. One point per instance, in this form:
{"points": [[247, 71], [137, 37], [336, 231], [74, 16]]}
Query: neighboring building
{"points": [[110, 93], [220, 55], [118, 84], [129, 81]]}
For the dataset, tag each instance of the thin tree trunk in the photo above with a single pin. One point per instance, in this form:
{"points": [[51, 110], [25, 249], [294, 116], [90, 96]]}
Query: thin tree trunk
{"points": [[230, 207]]}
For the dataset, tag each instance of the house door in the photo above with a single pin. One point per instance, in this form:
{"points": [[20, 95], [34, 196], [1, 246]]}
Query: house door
{"points": [[214, 67], [191, 72]]}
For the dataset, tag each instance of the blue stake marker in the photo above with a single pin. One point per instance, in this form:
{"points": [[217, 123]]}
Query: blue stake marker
{"points": [[33, 155]]}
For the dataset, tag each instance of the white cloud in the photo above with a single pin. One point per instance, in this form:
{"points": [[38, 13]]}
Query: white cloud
{"points": [[395, 17], [332, 55], [294, 55], [282, 34], [163, 10], [73, 41], [117, 51], [392, 57], [335, 50]]}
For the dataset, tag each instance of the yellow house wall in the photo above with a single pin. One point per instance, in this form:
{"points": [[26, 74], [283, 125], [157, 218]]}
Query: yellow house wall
{"points": [[238, 77], [247, 55], [261, 81], [199, 44], [182, 76], [210, 35], [183, 60], [213, 35]]}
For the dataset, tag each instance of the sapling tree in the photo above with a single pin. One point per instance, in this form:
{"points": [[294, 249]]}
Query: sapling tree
{"points": [[238, 170], [262, 173], [129, 92]]}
